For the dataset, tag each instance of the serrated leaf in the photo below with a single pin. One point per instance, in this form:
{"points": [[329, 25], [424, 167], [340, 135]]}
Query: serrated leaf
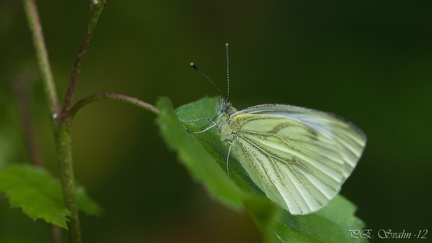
{"points": [[39, 194], [204, 155], [35, 192]]}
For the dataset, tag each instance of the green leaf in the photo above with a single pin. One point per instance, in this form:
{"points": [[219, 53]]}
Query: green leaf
{"points": [[35, 192], [208, 172], [86, 204], [39, 194], [204, 155]]}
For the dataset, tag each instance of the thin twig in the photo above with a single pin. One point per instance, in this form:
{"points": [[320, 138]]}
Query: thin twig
{"points": [[42, 56], [96, 11], [112, 96], [49, 87], [63, 135], [22, 87], [56, 234]]}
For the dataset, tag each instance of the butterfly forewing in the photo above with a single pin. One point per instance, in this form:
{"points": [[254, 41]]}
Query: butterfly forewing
{"points": [[299, 157]]}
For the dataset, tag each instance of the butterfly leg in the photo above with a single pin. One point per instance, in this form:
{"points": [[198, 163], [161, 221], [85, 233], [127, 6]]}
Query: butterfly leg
{"points": [[228, 155], [211, 125]]}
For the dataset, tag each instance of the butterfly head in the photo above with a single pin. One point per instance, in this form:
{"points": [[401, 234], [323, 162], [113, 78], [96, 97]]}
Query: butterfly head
{"points": [[225, 107]]}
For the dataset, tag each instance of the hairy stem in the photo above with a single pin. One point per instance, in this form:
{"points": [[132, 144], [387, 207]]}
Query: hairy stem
{"points": [[61, 116], [61, 124], [49, 87], [63, 135], [112, 96], [42, 56], [96, 12], [64, 157]]}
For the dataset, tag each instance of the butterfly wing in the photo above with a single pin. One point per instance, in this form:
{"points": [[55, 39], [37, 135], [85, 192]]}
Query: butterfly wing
{"points": [[299, 157]]}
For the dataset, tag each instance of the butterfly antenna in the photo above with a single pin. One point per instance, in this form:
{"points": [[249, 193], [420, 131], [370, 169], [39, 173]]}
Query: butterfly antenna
{"points": [[205, 76], [227, 69]]}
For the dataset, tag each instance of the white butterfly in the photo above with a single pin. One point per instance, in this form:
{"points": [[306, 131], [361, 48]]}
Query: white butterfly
{"points": [[298, 157]]}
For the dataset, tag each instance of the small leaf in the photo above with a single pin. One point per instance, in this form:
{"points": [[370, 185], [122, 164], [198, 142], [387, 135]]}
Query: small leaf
{"points": [[35, 192], [39, 194], [204, 155], [86, 204]]}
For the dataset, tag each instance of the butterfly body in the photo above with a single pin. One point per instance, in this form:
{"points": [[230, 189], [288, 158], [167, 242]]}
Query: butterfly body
{"points": [[298, 157]]}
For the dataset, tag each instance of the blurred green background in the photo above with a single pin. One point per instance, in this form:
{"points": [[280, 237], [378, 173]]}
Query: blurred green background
{"points": [[368, 61]]}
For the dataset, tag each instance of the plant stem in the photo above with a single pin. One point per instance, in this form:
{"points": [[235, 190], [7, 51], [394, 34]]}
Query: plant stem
{"points": [[112, 96], [96, 12], [64, 157], [42, 56], [63, 135], [61, 125], [49, 87], [61, 117], [56, 234], [22, 87]]}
